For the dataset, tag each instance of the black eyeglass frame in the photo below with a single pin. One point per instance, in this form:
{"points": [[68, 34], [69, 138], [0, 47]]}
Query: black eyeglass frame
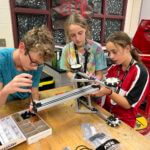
{"points": [[34, 63]]}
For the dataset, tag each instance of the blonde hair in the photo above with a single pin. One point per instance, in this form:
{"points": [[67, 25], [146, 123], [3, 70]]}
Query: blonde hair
{"points": [[40, 39], [76, 19]]}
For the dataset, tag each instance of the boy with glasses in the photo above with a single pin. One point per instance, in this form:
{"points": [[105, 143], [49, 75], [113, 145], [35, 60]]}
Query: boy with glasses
{"points": [[20, 68]]}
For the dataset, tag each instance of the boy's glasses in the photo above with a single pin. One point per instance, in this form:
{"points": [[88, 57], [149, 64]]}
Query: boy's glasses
{"points": [[34, 63]]}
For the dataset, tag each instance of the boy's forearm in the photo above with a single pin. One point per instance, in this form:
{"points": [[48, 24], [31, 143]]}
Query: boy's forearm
{"points": [[35, 94], [3, 96]]}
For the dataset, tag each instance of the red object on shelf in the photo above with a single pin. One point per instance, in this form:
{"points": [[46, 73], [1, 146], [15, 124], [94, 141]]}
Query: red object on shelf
{"points": [[146, 111], [141, 40], [146, 61]]}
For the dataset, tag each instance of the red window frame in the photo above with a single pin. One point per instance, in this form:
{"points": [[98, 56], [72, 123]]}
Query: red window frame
{"points": [[103, 16], [19, 10]]}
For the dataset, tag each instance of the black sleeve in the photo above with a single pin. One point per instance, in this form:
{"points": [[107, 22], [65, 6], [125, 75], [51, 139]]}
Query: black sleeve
{"points": [[139, 88]]}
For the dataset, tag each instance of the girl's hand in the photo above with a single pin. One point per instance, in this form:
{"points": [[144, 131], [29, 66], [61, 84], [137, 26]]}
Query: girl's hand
{"points": [[102, 92]]}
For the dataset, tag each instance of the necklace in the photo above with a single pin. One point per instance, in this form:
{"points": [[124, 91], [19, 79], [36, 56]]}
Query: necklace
{"points": [[86, 55], [125, 74]]}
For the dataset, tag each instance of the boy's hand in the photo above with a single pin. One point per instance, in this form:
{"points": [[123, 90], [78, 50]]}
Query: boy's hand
{"points": [[18, 82]]}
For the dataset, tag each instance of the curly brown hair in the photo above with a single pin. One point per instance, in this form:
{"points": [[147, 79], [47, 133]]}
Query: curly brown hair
{"points": [[40, 40]]}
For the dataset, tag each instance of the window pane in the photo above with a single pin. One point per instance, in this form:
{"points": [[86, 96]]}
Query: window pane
{"points": [[114, 7], [56, 2], [96, 29], [112, 26], [59, 36], [27, 22], [97, 6], [37, 4]]}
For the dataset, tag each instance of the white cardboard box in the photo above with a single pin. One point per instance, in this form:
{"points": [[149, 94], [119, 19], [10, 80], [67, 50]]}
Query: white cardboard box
{"points": [[14, 129]]}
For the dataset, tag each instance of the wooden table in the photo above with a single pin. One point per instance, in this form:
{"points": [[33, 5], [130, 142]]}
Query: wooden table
{"points": [[66, 125]]}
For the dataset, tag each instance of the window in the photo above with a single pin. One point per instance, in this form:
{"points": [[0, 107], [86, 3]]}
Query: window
{"points": [[28, 13], [107, 16]]}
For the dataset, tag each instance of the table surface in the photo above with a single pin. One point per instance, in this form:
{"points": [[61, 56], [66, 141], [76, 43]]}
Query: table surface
{"points": [[66, 126]]}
